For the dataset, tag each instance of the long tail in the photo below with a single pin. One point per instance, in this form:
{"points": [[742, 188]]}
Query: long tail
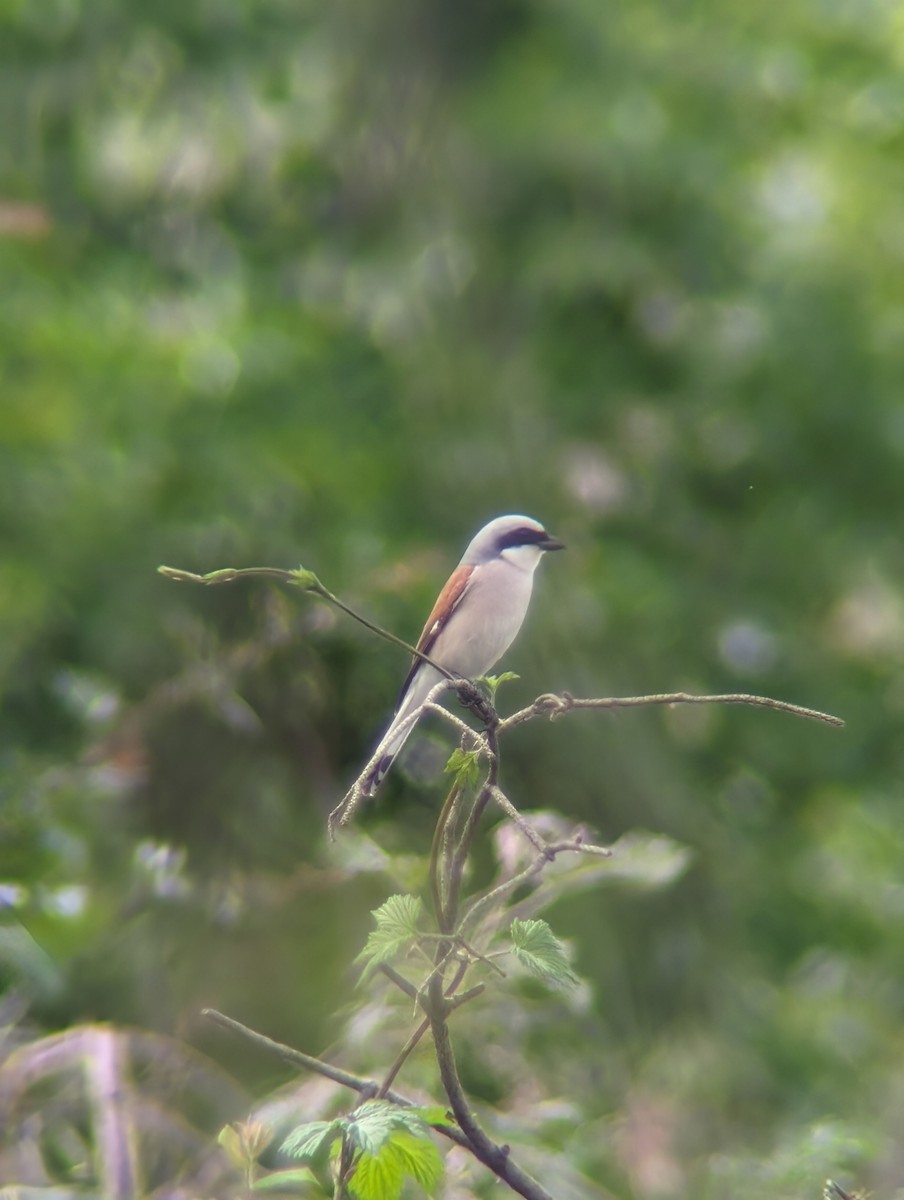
{"points": [[393, 741], [374, 777], [390, 747]]}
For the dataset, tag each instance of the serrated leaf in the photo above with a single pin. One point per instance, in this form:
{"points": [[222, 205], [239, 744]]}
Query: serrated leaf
{"points": [[381, 1175], [536, 946], [281, 1181], [307, 1141], [397, 925], [409, 1120], [377, 1177], [419, 1158], [372, 1124], [465, 766]]}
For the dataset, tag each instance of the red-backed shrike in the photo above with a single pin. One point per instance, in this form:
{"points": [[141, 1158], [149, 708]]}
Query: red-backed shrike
{"points": [[474, 621]]}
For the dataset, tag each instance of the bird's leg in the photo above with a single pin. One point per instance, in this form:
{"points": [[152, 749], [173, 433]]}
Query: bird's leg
{"points": [[474, 698]]}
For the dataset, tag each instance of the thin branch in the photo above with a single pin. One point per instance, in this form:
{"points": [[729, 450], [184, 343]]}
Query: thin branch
{"points": [[496, 1157], [308, 582], [402, 1057], [295, 1058], [438, 849], [454, 1002], [473, 735], [535, 839], [551, 850], [454, 866], [551, 705], [399, 980]]}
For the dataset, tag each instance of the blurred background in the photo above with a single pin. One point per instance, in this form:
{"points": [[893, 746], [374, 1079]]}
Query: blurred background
{"points": [[334, 284]]}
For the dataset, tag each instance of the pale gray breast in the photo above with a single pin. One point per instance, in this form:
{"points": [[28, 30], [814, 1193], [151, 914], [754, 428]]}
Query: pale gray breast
{"points": [[496, 607]]}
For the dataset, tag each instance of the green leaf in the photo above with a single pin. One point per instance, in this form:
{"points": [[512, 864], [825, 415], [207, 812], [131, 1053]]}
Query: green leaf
{"points": [[536, 946], [307, 1141], [245, 1141], [372, 1124], [380, 1172], [419, 1158], [397, 926], [230, 1141], [281, 1181], [433, 1114], [493, 681], [465, 766], [377, 1177]]}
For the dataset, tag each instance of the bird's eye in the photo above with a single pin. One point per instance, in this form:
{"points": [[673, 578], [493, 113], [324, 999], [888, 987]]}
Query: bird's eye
{"points": [[524, 536]]}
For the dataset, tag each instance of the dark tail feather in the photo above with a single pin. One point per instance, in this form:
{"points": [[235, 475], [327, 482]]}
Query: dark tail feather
{"points": [[374, 776]]}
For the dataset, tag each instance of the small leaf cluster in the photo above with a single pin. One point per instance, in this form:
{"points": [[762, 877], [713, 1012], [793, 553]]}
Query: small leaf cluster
{"points": [[465, 766], [398, 928], [386, 1145], [244, 1142], [533, 943], [493, 682]]}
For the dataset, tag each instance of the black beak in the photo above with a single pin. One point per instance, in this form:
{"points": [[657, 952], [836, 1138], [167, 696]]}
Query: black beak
{"points": [[551, 543]]}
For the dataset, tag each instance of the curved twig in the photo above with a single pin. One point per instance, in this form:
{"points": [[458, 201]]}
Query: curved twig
{"points": [[555, 705], [366, 1087]]}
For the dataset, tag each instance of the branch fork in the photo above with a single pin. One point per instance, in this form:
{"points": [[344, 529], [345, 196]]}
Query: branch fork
{"points": [[456, 923]]}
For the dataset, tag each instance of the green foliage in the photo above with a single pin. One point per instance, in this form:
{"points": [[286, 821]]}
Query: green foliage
{"points": [[465, 766], [536, 947], [388, 1145], [296, 1179], [494, 682], [334, 284], [308, 1141], [398, 920]]}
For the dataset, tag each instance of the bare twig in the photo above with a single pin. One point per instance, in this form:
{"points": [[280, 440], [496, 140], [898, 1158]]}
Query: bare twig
{"points": [[454, 1002], [551, 850], [439, 850], [295, 1058], [552, 705], [308, 582], [503, 802], [496, 1157], [455, 859], [400, 981]]}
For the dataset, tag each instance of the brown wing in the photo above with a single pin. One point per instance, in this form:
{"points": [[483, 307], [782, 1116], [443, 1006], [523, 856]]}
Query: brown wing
{"points": [[446, 603]]}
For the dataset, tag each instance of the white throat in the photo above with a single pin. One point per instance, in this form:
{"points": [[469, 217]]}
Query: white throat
{"points": [[525, 558]]}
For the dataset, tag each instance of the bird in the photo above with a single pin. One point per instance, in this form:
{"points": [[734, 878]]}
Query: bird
{"points": [[475, 619]]}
